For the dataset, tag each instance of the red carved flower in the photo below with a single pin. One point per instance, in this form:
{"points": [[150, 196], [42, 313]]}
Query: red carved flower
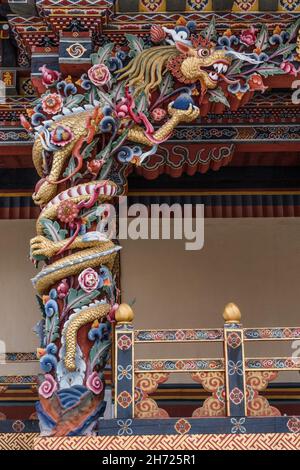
{"points": [[293, 424], [52, 103], [158, 114], [256, 83], [234, 340], [236, 396], [182, 426], [49, 77], [94, 166], [67, 211], [18, 425], [248, 36], [124, 399], [62, 289], [124, 342]]}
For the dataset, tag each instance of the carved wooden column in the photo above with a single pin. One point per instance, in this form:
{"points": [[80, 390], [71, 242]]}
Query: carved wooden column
{"points": [[234, 362], [124, 363]]}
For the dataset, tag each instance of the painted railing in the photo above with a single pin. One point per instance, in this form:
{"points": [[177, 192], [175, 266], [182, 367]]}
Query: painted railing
{"points": [[233, 380]]}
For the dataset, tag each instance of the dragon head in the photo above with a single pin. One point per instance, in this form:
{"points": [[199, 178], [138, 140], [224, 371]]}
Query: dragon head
{"points": [[205, 64]]}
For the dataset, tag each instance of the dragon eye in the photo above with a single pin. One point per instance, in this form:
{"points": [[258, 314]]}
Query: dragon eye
{"points": [[203, 52]]}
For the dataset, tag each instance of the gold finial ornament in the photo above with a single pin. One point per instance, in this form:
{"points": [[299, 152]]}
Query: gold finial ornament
{"points": [[232, 313], [124, 314]]}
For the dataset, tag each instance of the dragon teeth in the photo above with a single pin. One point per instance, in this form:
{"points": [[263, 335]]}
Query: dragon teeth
{"points": [[213, 76]]}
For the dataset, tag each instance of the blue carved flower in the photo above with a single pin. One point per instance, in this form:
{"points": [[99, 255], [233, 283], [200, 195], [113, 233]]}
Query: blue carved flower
{"points": [[51, 308], [238, 425], [124, 372], [235, 367], [124, 427], [53, 294]]}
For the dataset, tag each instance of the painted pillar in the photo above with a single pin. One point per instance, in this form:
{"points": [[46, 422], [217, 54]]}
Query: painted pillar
{"points": [[235, 380], [124, 363]]}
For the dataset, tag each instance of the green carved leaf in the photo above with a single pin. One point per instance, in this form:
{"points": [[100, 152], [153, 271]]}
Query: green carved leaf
{"points": [[79, 298], [136, 45], [102, 54], [284, 50], [235, 68], [52, 328], [217, 96], [268, 70], [74, 100], [104, 98], [293, 28], [166, 86], [210, 32], [52, 230], [40, 304], [100, 350], [262, 40]]}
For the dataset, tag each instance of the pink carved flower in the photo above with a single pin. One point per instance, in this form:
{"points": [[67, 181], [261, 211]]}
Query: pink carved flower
{"points": [[99, 74], [61, 136], [62, 289], [94, 383], [48, 387], [248, 36], [158, 114], [122, 109], [49, 77], [52, 103], [289, 68], [67, 211], [88, 280]]}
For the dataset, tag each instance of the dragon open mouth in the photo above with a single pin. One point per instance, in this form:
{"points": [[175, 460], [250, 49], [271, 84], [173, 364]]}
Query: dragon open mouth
{"points": [[216, 69]]}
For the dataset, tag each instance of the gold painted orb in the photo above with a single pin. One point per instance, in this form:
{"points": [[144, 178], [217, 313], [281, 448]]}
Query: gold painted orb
{"points": [[124, 314]]}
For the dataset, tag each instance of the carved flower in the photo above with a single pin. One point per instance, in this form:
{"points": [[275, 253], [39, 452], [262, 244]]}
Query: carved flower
{"points": [[293, 424], [122, 109], [18, 425], [63, 289], [48, 387], [61, 136], [67, 211], [256, 83], [94, 166], [182, 426], [94, 383], [289, 68], [158, 114], [236, 396], [52, 103], [88, 280], [49, 77], [51, 308], [99, 74], [248, 36]]}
